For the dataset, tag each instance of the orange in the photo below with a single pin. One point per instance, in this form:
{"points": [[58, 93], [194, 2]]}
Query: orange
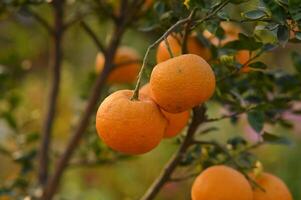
{"points": [[182, 82], [130, 126], [127, 65], [175, 121], [221, 183], [275, 189], [193, 46], [242, 57], [147, 4], [231, 33]]}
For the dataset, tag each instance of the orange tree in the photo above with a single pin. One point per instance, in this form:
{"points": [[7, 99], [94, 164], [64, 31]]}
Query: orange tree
{"points": [[226, 68]]}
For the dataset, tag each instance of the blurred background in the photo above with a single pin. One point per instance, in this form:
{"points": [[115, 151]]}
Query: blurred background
{"points": [[25, 57]]}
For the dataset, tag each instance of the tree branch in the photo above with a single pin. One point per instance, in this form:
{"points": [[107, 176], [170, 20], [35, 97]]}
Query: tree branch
{"points": [[53, 183], [186, 34], [93, 36], [53, 93], [198, 118], [41, 20], [77, 18]]}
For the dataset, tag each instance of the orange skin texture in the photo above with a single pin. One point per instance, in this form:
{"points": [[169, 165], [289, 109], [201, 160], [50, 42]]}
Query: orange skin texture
{"points": [[275, 188], [126, 63], [176, 122], [231, 33], [182, 82], [221, 183], [242, 57], [193, 46], [130, 126]]}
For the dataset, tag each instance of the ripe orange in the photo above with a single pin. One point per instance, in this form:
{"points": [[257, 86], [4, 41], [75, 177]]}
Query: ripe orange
{"points": [[221, 183], [175, 121], [275, 189], [130, 126], [127, 65], [182, 82], [147, 4], [231, 33], [242, 57], [193, 46]]}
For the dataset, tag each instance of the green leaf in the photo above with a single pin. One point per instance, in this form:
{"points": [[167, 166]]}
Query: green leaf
{"points": [[296, 58], [254, 14], [256, 120], [258, 65], [278, 12], [283, 34], [295, 9], [275, 139]]}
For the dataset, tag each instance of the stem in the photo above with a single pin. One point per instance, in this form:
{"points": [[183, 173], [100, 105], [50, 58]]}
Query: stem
{"points": [[168, 47], [90, 32], [53, 94], [165, 175], [165, 35], [186, 33], [41, 20], [53, 183]]}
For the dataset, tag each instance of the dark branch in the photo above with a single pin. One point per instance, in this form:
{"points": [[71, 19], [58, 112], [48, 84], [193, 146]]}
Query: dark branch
{"points": [[53, 94], [93, 36], [40, 20], [198, 118], [53, 182]]}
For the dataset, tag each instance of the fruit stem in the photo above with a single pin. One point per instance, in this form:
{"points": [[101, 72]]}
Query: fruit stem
{"points": [[165, 35], [168, 48]]}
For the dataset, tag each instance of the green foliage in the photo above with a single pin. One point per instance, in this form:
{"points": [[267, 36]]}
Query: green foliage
{"points": [[256, 120]]}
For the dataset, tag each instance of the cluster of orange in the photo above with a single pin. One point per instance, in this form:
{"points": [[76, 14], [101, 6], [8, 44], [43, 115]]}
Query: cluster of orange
{"points": [[163, 109], [224, 183]]}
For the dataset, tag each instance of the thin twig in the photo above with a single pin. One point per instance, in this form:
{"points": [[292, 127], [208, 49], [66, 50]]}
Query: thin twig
{"points": [[53, 93], [77, 18], [93, 36], [145, 59], [168, 48], [184, 49], [41, 20]]}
